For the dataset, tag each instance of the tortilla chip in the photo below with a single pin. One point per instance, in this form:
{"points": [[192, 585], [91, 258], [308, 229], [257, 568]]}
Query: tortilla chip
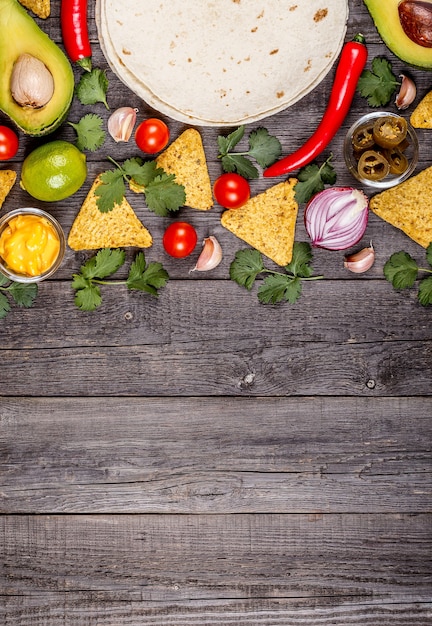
{"points": [[41, 8], [7, 181], [421, 117], [120, 227], [267, 221], [408, 206], [185, 158]]}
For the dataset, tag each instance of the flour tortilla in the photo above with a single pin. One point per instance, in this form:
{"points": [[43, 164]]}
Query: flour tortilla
{"points": [[222, 62]]}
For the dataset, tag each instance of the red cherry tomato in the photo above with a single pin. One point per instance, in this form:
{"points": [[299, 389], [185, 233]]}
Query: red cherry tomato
{"points": [[8, 143], [180, 239], [152, 135], [231, 190]]}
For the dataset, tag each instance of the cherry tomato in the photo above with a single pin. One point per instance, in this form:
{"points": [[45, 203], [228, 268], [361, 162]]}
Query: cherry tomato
{"points": [[152, 135], [180, 239], [231, 190], [8, 143]]}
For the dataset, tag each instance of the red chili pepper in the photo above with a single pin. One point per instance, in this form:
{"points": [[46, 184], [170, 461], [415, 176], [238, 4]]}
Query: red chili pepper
{"points": [[73, 19], [351, 64]]}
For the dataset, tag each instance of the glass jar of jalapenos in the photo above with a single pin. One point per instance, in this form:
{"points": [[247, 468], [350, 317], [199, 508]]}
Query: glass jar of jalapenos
{"points": [[381, 149]]}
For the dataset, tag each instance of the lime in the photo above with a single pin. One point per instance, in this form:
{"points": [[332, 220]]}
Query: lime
{"points": [[53, 171]]}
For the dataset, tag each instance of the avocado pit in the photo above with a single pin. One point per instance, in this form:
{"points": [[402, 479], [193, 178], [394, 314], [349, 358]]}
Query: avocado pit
{"points": [[32, 84], [416, 20]]}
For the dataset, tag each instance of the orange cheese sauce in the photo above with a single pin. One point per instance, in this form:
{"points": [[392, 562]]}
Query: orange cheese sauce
{"points": [[29, 245]]}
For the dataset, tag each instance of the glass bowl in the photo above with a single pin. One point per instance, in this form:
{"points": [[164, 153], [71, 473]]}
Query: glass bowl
{"points": [[410, 151], [48, 219]]}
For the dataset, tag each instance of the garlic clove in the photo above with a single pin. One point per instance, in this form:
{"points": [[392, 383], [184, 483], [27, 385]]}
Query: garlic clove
{"points": [[210, 257], [32, 84], [361, 261], [407, 92], [121, 123]]}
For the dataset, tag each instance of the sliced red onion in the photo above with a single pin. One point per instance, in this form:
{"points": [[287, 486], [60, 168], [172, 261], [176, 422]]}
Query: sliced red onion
{"points": [[336, 218]]}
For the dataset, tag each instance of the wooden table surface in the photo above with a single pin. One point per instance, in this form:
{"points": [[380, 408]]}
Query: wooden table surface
{"points": [[203, 459]]}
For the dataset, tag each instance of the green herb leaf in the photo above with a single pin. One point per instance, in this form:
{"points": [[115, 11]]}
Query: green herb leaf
{"points": [[147, 278], [401, 270], [163, 194], [24, 294], [4, 306], [265, 148], [429, 254], [142, 173], [90, 134], [89, 298], [302, 256], [312, 179], [379, 84], [104, 263], [425, 291], [93, 87], [246, 266], [111, 191], [278, 287]]}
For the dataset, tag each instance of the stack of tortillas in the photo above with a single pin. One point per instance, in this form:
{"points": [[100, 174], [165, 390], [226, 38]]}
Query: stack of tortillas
{"points": [[224, 62]]}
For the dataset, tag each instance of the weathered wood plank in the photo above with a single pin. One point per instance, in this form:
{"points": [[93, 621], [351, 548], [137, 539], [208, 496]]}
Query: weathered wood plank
{"points": [[216, 455]]}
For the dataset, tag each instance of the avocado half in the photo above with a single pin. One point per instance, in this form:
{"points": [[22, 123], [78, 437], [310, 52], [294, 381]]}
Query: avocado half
{"points": [[21, 34], [386, 19]]}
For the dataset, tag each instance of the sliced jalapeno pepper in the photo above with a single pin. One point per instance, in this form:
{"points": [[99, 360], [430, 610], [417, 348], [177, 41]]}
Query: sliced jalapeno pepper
{"points": [[363, 138], [373, 166], [389, 131], [397, 160]]}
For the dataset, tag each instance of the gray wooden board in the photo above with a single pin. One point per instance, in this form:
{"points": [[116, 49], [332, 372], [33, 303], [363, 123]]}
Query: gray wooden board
{"points": [[200, 458]]}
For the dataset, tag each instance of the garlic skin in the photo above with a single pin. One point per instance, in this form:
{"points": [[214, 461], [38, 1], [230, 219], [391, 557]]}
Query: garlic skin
{"points": [[407, 93], [121, 123], [32, 84], [210, 257], [361, 261]]}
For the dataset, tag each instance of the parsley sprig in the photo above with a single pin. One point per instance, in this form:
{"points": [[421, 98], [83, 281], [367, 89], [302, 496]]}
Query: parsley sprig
{"points": [[163, 195], [90, 134], [263, 147], [312, 179], [402, 271], [93, 87], [379, 84], [148, 277], [276, 286], [23, 294]]}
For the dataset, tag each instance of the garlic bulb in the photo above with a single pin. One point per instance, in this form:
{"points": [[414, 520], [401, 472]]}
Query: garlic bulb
{"points": [[407, 93], [32, 84], [361, 261], [210, 257], [121, 123]]}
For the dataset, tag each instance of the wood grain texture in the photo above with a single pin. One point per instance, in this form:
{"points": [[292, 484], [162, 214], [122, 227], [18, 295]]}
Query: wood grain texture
{"points": [[203, 460]]}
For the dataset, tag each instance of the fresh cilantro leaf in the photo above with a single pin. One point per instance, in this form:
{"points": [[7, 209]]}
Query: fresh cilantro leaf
{"points": [[93, 87], [163, 194], [106, 262], [246, 266], [263, 147], [141, 173], [429, 254], [312, 179], [379, 84], [425, 291], [111, 191], [90, 134], [23, 293], [401, 270], [4, 306], [302, 256], [146, 277], [278, 287]]}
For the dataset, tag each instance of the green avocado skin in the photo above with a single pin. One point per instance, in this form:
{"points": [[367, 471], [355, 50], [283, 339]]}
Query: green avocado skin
{"points": [[385, 15], [22, 35]]}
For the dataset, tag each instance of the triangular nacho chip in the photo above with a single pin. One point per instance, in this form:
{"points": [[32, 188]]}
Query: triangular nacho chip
{"points": [[41, 8], [117, 228], [185, 158], [267, 221], [408, 206], [7, 181], [421, 117]]}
